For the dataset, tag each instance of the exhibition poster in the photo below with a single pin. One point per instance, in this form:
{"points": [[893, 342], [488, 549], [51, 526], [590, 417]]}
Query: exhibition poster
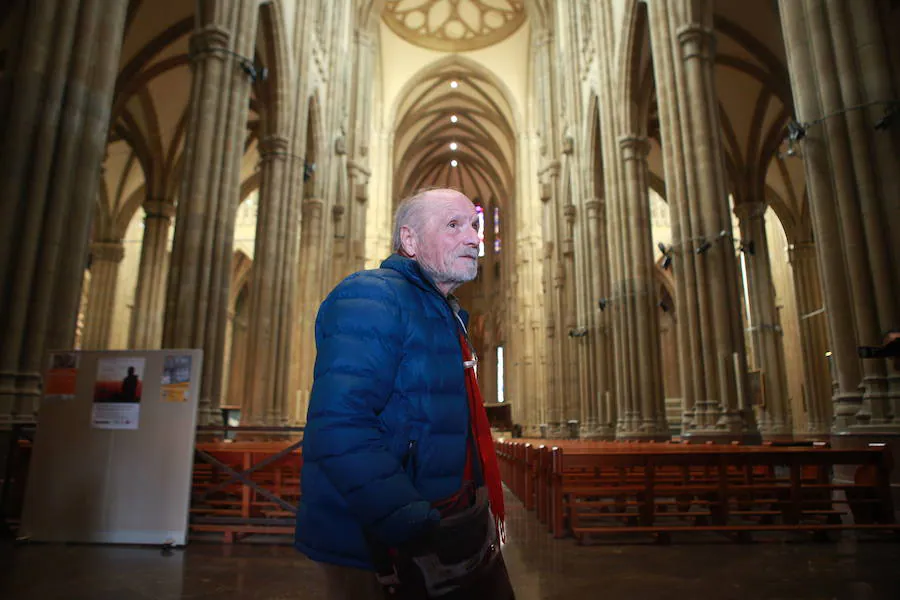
{"points": [[61, 376], [117, 393], [176, 378]]}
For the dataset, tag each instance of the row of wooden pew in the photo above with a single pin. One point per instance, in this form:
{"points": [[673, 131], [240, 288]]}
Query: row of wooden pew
{"points": [[588, 488]]}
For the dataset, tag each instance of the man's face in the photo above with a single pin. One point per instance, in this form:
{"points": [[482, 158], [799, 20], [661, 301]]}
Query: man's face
{"points": [[447, 245]]}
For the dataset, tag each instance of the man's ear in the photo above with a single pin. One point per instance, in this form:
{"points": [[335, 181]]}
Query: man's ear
{"points": [[408, 241]]}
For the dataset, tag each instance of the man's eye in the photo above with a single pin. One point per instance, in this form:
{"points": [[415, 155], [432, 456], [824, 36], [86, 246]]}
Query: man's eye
{"points": [[452, 224]]}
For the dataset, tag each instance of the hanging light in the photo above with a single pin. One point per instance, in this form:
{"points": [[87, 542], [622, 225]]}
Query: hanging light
{"points": [[454, 118], [453, 163]]}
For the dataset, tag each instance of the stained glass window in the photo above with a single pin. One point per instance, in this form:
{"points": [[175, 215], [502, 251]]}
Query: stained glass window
{"points": [[496, 230]]}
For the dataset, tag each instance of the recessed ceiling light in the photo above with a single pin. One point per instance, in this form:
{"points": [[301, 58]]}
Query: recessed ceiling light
{"points": [[453, 163], [454, 146], [454, 118], [454, 84]]}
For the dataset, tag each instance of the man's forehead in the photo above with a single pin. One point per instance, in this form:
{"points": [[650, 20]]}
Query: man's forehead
{"points": [[449, 203]]}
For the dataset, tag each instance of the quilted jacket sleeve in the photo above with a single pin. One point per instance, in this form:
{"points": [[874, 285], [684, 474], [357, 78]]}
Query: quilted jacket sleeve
{"points": [[359, 337]]}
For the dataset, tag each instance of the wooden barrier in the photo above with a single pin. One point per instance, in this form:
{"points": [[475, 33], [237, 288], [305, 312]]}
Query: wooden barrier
{"points": [[246, 487], [592, 488]]}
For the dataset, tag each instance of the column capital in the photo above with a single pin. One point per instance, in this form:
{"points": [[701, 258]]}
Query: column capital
{"points": [[363, 37], [697, 41], [358, 169], [594, 207], [207, 40], [312, 205], [541, 38], [274, 147], [634, 147], [108, 251], [750, 210], [549, 170], [546, 191], [159, 209], [569, 213]]}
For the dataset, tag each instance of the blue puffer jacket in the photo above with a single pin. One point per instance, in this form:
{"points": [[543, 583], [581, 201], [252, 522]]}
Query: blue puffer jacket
{"points": [[388, 415]]}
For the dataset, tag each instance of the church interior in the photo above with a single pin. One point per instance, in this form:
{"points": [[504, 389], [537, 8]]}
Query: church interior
{"points": [[686, 213]]}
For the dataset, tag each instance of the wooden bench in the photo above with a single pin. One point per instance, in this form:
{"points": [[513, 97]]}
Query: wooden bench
{"points": [[607, 487]]}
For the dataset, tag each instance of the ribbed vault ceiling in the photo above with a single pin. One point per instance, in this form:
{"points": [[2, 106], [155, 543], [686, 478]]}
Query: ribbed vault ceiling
{"points": [[482, 131]]}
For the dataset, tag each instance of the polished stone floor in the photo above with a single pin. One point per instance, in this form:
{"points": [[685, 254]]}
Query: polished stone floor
{"points": [[706, 567]]}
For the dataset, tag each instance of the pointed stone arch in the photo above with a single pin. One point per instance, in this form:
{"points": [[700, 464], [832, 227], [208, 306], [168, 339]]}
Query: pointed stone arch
{"points": [[635, 68], [273, 53], [313, 148]]}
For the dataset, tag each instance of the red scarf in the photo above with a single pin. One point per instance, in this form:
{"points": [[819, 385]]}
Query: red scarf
{"points": [[484, 442]]}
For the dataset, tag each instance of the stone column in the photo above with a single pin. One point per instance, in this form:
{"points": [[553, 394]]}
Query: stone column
{"points": [[551, 288], [766, 332], [838, 61], [309, 296], [105, 260], [487, 369], [150, 295], [601, 351], [813, 336], [572, 399], [357, 144], [237, 363], [710, 331], [200, 270], [267, 312], [50, 157], [634, 300]]}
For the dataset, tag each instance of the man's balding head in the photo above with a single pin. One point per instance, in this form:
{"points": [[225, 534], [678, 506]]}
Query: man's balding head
{"points": [[438, 228]]}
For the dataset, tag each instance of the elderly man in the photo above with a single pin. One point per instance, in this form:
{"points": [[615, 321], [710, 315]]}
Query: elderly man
{"points": [[401, 489]]}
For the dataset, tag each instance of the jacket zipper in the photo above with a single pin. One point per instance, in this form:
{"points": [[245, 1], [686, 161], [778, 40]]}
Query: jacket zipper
{"points": [[411, 460]]}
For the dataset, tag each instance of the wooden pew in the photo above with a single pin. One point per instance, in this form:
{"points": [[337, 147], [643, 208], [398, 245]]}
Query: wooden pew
{"points": [[588, 488]]}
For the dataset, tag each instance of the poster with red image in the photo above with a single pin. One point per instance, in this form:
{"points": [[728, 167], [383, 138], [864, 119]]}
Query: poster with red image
{"points": [[117, 393]]}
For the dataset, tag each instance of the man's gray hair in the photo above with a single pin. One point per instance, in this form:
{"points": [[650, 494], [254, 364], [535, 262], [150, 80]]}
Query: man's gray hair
{"points": [[410, 213]]}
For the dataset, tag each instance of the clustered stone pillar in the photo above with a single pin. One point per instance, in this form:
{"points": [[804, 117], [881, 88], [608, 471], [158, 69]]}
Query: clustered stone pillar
{"points": [[841, 81], [765, 330], [54, 136], [105, 260], [571, 398], [813, 336], [553, 281], [200, 270], [309, 294], [268, 343], [237, 363], [150, 295], [601, 421], [711, 338], [642, 414]]}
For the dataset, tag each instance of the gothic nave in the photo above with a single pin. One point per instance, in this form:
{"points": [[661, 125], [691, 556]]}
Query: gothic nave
{"points": [[687, 210]]}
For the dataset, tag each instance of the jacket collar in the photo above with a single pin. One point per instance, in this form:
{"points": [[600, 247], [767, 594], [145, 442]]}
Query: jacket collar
{"points": [[413, 272]]}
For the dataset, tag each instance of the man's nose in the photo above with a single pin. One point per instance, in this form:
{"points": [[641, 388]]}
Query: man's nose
{"points": [[472, 238]]}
